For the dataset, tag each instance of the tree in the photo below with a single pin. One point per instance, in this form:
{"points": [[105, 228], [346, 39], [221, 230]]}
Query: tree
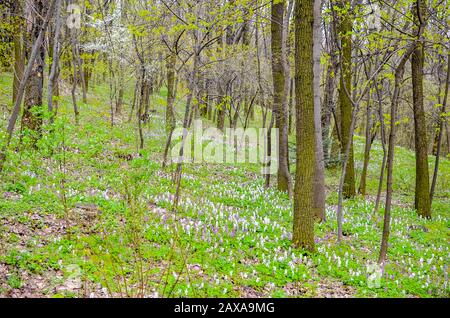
{"points": [[422, 193], [19, 56], [441, 130], [345, 83], [399, 71], [303, 230], [279, 96], [398, 77], [319, 174], [54, 69], [32, 112], [21, 91]]}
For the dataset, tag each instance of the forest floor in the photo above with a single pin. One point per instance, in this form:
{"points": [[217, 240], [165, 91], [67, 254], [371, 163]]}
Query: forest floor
{"points": [[83, 215]]}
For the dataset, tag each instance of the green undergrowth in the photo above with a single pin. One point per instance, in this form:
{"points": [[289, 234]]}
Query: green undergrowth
{"points": [[87, 204]]}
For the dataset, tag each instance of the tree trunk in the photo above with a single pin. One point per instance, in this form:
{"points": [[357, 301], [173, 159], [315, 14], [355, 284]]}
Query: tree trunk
{"points": [[441, 130], [32, 113], [221, 108], [139, 113], [383, 144], [422, 193], [291, 106], [279, 97], [55, 61], [303, 228], [186, 123], [329, 106], [319, 173], [75, 77], [345, 29], [367, 146], [170, 114], [399, 71], [19, 56]]}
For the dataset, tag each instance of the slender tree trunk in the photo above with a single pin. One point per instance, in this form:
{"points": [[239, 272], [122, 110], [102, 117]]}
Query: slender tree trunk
{"points": [[345, 29], [279, 97], [329, 106], [399, 71], [367, 147], [139, 113], [303, 229], [135, 94], [346, 160], [441, 130], [119, 100], [422, 193], [221, 108], [383, 144], [268, 155], [19, 56], [291, 106], [186, 123], [55, 61], [170, 113], [75, 77], [319, 174], [81, 73]]}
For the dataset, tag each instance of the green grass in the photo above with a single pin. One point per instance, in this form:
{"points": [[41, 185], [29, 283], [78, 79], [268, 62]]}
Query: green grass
{"points": [[230, 237]]}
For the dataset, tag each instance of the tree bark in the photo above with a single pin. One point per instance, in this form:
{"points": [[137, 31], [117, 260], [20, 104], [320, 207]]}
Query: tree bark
{"points": [[55, 61], [345, 29], [32, 113], [170, 114], [441, 130], [279, 97], [399, 71], [319, 174], [75, 77], [303, 227], [19, 56], [422, 193]]}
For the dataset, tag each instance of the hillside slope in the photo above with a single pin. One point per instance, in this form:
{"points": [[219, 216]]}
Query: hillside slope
{"points": [[86, 215]]}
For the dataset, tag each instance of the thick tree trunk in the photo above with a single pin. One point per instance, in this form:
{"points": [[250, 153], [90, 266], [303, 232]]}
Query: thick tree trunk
{"points": [[303, 228]]}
